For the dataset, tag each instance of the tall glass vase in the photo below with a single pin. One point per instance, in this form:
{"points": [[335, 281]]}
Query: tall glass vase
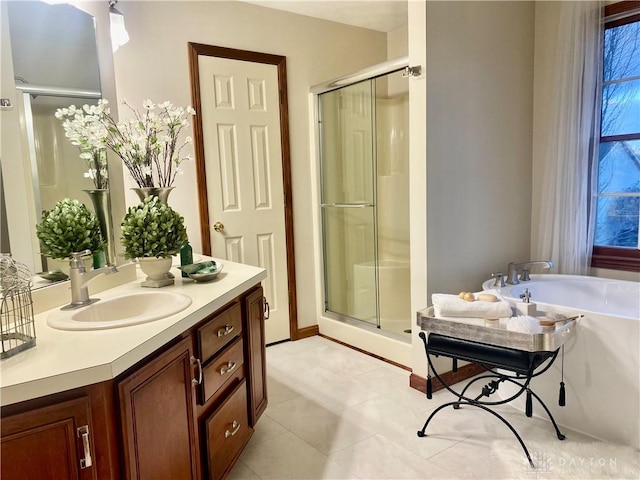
{"points": [[101, 201], [161, 192]]}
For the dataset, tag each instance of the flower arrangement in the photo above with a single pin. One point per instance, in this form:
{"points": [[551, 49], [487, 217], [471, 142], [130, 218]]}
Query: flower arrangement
{"points": [[152, 229], [148, 143], [68, 227], [82, 128]]}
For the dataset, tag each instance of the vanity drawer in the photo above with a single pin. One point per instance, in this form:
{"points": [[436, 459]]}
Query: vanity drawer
{"points": [[217, 332], [224, 368], [226, 432]]}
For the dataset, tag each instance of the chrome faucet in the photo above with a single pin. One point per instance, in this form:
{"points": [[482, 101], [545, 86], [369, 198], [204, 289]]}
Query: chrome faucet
{"points": [[80, 278], [523, 268]]}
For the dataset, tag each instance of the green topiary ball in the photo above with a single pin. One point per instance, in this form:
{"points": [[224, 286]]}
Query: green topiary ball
{"points": [[152, 229], [67, 228]]}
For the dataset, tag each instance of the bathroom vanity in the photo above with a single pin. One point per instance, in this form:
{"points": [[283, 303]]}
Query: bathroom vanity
{"points": [[173, 398]]}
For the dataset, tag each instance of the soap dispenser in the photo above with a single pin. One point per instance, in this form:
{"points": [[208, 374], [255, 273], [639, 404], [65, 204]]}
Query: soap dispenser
{"points": [[525, 307], [186, 257]]}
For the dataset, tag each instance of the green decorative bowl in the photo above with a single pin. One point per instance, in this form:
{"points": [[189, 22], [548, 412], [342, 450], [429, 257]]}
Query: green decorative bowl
{"points": [[202, 271], [53, 275]]}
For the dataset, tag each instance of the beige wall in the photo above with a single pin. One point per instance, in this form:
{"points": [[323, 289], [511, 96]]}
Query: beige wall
{"points": [[418, 87], [479, 113], [154, 65], [398, 42], [479, 73]]}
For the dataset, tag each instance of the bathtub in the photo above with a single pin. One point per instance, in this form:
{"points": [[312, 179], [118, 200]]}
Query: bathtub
{"points": [[602, 363]]}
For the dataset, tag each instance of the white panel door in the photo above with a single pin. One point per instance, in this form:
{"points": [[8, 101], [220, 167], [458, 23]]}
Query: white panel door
{"points": [[241, 128]]}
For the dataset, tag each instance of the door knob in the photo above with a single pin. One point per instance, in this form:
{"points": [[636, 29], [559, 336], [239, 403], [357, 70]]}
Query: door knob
{"points": [[218, 226]]}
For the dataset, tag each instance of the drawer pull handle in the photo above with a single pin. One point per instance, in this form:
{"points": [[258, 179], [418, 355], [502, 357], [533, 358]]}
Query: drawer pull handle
{"points": [[197, 381], [225, 331], [235, 427], [83, 432], [265, 308], [228, 367]]}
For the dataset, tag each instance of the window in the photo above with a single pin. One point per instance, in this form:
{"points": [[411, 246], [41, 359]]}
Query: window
{"points": [[617, 237]]}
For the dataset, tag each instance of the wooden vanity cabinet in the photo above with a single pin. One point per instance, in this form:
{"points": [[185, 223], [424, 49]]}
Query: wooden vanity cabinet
{"points": [[233, 389], [188, 412], [226, 432], [184, 412], [157, 417], [255, 354], [55, 436], [48, 443]]}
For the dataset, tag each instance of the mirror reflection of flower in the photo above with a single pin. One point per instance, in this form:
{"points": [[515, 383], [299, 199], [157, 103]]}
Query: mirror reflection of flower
{"points": [[148, 143], [83, 130]]}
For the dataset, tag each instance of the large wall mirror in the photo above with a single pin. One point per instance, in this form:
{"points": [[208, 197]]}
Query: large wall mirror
{"points": [[54, 60]]}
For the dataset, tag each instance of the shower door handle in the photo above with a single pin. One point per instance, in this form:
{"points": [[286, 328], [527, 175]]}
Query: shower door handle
{"points": [[347, 205]]}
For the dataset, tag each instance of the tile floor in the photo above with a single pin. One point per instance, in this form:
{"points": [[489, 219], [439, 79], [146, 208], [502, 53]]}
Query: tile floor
{"points": [[335, 413]]}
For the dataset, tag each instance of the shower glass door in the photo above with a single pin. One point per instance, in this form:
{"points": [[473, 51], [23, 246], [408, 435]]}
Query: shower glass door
{"points": [[347, 142]]}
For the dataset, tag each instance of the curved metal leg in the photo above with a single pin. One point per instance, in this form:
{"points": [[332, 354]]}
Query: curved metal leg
{"points": [[560, 435], [513, 430], [421, 433]]}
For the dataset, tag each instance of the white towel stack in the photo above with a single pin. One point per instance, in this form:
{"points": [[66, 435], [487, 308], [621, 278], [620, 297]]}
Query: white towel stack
{"points": [[445, 305]]}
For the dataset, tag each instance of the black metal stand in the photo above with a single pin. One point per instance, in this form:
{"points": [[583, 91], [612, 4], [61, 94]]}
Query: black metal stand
{"points": [[525, 365]]}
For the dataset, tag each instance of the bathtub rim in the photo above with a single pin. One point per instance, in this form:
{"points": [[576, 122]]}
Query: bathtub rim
{"points": [[550, 277]]}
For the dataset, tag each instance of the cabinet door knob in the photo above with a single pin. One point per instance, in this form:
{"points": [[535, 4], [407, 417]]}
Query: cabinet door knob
{"points": [[218, 226]]}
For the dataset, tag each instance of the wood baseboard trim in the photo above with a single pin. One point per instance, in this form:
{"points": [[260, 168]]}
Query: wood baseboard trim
{"points": [[463, 373], [306, 332]]}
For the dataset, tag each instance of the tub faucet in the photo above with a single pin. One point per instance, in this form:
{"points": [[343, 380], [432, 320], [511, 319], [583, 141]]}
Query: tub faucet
{"points": [[499, 282], [523, 268], [79, 278]]}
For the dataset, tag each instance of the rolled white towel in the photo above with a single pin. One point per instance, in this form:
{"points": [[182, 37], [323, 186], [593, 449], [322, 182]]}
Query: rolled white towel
{"points": [[446, 305], [524, 324]]}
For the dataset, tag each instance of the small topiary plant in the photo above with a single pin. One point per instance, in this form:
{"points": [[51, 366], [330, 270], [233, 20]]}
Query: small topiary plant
{"points": [[68, 227], [152, 229]]}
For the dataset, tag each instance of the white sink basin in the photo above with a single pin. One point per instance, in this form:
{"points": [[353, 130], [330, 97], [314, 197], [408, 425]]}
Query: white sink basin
{"points": [[125, 310]]}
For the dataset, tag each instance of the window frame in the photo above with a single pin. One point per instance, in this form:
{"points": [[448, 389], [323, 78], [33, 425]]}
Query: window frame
{"points": [[618, 258]]}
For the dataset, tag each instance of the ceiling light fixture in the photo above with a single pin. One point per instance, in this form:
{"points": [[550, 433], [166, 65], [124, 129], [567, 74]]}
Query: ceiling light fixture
{"points": [[119, 35]]}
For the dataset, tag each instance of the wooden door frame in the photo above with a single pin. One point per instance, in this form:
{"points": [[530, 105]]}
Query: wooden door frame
{"points": [[195, 50]]}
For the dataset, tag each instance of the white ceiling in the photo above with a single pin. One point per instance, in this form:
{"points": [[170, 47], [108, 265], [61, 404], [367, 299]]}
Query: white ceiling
{"points": [[381, 15]]}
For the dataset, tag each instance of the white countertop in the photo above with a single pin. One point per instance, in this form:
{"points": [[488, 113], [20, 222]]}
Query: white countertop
{"points": [[62, 360]]}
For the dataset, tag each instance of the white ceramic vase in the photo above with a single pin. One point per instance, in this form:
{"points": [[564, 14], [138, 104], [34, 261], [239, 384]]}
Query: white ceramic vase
{"points": [[155, 268]]}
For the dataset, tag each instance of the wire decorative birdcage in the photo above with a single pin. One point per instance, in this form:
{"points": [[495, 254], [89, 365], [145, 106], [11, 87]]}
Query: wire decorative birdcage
{"points": [[17, 325]]}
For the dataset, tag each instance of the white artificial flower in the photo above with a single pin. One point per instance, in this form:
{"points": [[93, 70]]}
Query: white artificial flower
{"points": [[148, 142]]}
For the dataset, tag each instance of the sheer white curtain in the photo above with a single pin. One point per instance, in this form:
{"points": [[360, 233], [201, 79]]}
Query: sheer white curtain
{"points": [[564, 231]]}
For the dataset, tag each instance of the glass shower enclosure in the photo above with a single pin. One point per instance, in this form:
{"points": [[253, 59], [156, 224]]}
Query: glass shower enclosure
{"points": [[364, 202]]}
